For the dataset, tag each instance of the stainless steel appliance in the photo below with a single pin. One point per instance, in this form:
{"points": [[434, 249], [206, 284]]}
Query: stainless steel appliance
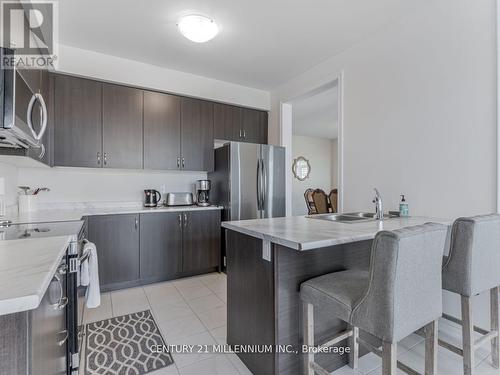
{"points": [[67, 275], [19, 105], [151, 198], [249, 181], [202, 193], [179, 199]]}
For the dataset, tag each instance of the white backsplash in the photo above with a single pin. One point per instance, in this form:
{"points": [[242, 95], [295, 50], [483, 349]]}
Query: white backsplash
{"points": [[81, 187], [10, 174]]}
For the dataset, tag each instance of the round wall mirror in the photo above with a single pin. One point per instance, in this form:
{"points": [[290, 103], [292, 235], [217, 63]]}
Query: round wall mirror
{"points": [[301, 168]]}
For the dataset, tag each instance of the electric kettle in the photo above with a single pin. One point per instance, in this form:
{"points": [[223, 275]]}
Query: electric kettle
{"points": [[151, 198]]}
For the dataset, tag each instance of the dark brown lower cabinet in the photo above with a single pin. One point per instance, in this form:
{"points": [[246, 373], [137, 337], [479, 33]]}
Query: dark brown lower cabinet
{"points": [[201, 240], [117, 240], [161, 246], [135, 249]]}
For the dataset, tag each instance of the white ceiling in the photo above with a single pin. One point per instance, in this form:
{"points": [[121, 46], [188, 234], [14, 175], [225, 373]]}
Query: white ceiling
{"points": [[316, 115], [261, 44]]}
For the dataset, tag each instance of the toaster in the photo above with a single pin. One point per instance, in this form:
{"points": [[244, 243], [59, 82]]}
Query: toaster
{"points": [[179, 199]]}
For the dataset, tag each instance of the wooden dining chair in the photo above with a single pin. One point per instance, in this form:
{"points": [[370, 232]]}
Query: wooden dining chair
{"points": [[320, 200], [333, 197], [311, 208]]}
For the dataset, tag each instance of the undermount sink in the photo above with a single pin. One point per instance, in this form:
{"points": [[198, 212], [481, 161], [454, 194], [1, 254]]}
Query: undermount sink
{"points": [[348, 217]]}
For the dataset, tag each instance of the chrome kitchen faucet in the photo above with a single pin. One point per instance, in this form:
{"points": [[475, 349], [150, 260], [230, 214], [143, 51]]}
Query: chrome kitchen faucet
{"points": [[379, 209]]}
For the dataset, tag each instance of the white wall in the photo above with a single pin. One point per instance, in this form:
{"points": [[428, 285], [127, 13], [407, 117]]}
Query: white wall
{"points": [[419, 112], [97, 185], [319, 153], [335, 163], [116, 69]]}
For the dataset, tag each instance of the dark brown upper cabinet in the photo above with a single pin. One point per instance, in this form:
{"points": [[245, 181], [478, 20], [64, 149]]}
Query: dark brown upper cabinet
{"points": [[77, 122], [254, 125], [227, 122], [103, 125], [197, 135], [122, 126], [239, 124], [162, 131]]}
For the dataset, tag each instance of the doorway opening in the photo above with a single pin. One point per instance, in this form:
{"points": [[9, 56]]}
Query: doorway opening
{"points": [[311, 131]]}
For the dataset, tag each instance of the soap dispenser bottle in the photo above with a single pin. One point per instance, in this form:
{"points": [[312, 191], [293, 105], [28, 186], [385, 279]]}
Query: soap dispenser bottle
{"points": [[404, 211]]}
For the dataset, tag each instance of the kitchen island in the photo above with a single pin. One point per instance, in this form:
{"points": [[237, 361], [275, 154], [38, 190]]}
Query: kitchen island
{"points": [[267, 260]]}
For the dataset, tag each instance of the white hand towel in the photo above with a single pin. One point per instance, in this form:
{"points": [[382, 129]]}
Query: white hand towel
{"points": [[93, 293], [84, 279]]}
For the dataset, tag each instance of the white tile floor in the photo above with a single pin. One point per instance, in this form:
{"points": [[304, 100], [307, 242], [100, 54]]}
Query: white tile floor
{"points": [[193, 311]]}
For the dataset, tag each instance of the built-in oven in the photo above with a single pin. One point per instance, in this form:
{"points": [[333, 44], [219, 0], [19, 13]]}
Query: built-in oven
{"points": [[64, 292], [23, 112]]}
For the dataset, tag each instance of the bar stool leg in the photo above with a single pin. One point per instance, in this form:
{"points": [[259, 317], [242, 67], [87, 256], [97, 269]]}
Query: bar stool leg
{"points": [[354, 347], [495, 347], [431, 346], [468, 335], [308, 335], [389, 358]]}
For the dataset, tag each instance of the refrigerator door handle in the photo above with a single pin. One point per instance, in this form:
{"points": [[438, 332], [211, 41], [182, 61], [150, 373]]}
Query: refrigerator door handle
{"points": [[264, 185], [258, 186]]}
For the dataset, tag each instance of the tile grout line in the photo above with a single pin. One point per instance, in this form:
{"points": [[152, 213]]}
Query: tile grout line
{"points": [[159, 328], [187, 303], [208, 330]]}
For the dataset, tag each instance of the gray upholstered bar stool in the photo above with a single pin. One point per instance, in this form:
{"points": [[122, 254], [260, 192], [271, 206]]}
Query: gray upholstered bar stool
{"points": [[400, 294], [473, 267]]}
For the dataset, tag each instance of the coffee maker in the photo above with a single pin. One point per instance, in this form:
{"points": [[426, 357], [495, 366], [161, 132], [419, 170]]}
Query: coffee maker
{"points": [[202, 190]]}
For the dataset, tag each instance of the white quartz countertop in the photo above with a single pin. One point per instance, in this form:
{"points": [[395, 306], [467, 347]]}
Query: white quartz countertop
{"points": [[303, 233], [76, 214], [26, 268]]}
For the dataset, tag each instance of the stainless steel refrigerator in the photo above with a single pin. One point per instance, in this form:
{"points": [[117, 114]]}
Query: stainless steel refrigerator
{"points": [[249, 181]]}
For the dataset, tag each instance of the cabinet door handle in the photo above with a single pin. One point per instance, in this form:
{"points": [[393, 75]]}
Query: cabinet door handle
{"points": [[240, 133], [66, 335], [185, 219], [178, 163], [244, 134], [180, 220], [183, 163], [105, 158], [98, 158], [136, 223]]}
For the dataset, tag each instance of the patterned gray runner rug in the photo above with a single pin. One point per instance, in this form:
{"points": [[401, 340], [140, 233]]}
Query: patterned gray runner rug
{"points": [[122, 346]]}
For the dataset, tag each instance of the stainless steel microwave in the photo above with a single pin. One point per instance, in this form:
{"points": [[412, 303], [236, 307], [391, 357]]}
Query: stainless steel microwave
{"points": [[20, 108]]}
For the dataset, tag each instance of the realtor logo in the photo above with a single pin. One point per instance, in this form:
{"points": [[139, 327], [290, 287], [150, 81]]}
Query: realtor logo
{"points": [[30, 28]]}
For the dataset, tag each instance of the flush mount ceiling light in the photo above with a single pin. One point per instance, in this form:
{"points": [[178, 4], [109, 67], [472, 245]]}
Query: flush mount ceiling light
{"points": [[199, 29]]}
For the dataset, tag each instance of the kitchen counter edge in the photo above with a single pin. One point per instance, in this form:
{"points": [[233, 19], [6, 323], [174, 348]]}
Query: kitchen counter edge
{"points": [[55, 215]]}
